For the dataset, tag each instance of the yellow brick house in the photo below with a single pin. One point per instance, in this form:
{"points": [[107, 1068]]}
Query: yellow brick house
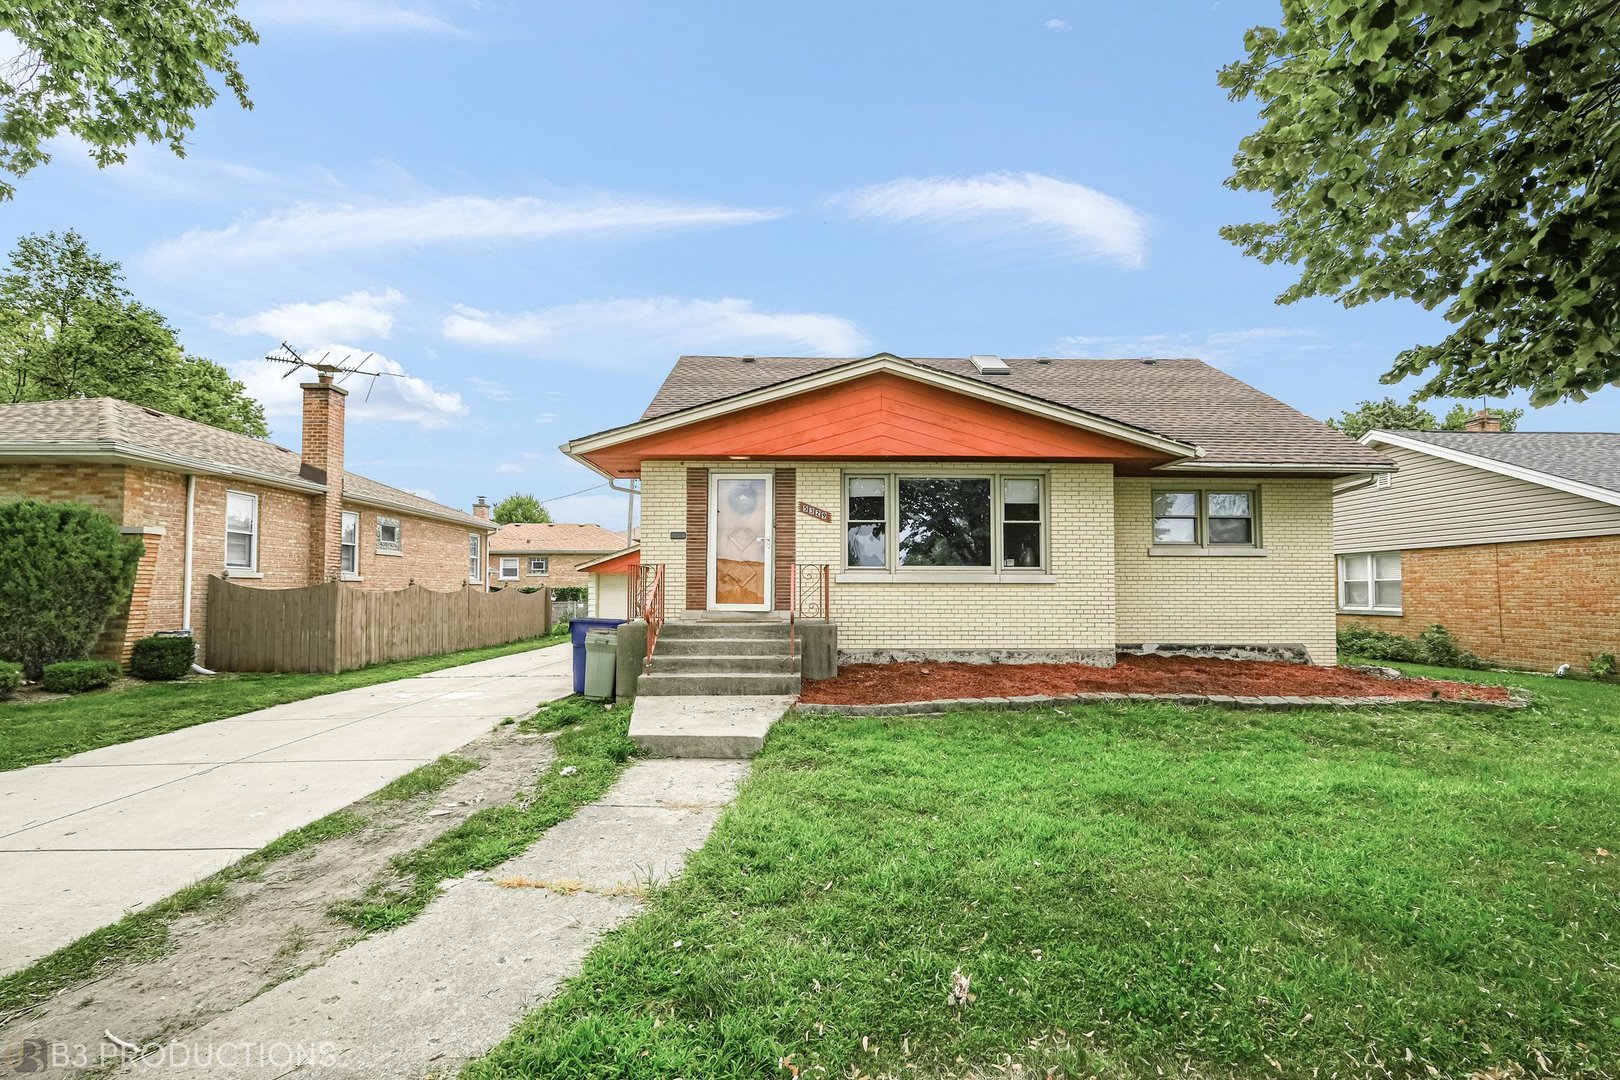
{"points": [[987, 509]]}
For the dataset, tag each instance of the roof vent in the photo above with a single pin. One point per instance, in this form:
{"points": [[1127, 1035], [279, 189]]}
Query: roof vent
{"points": [[1043, 359], [748, 359], [1150, 362], [989, 364]]}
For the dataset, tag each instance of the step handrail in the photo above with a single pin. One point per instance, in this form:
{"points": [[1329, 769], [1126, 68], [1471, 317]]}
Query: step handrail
{"points": [[809, 594], [650, 605]]}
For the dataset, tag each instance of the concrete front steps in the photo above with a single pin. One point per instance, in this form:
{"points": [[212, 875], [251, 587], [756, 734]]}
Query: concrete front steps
{"points": [[714, 658]]}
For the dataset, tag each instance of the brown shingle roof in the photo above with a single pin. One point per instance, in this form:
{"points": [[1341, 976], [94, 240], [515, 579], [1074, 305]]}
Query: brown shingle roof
{"points": [[532, 538], [1185, 400], [118, 428]]}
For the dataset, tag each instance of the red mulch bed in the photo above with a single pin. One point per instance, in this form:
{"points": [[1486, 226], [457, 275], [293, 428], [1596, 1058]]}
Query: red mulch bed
{"points": [[876, 684]]}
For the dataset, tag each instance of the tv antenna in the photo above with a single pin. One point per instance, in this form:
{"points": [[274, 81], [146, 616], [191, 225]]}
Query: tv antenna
{"points": [[341, 371]]}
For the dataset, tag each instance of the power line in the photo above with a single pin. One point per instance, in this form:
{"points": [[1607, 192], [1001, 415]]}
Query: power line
{"points": [[571, 494]]}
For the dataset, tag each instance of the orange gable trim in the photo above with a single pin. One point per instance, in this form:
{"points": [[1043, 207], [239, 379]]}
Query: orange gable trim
{"points": [[618, 564], [874, 417]]}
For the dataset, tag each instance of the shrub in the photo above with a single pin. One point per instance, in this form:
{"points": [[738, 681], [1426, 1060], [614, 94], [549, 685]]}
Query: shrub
{"points": [[1601, 665], [64, 569], [77, 676], [157, 658], [530, 589], [1436, 646], [10, 679], [569, 593]]}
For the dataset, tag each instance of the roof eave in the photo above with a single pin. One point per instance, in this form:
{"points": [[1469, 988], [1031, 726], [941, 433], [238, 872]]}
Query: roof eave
{"points": [[1379, 436], [113, 452], [447, 515]]}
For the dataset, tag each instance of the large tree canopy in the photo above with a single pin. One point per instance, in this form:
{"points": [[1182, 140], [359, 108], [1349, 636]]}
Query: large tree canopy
{"points": [[112, 74], [1460, 153], [520, 507], [1392, 415], [68, 328]]}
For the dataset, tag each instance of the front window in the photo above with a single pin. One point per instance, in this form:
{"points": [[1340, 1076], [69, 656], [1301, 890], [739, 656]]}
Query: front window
{"points": [[475, 562], [923, 523], [509, 568], [241, 531], [351, 542], [389, 537], [1370, 582], [539, 564], [1200, 518]]}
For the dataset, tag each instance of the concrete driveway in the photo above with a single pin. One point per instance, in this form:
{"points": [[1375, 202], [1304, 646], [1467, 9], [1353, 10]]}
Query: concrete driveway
{"points": [[89, 838]]}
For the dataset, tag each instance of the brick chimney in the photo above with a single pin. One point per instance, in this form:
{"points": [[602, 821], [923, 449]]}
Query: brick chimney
{"points": [[481, 509], [1482, 421], [323, 463]]}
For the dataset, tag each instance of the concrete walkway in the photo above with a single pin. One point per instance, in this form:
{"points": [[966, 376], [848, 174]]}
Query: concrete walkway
{"points": [[423, 999], [89, 838], [717, 726]]}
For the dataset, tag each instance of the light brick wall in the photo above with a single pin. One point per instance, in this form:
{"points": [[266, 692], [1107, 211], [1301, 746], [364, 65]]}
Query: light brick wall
{"points": [[1286, 597], [1075, 613], [1534, 604]]}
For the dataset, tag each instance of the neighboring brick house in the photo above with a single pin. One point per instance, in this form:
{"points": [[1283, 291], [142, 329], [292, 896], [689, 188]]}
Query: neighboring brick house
{"points": [[1511, 540], [528, 553], [976, 508], [210, 502]]}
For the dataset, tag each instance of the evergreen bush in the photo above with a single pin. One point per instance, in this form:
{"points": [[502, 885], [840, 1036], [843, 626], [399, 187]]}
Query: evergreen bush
{"points": [[77, 676], [160, 658]]}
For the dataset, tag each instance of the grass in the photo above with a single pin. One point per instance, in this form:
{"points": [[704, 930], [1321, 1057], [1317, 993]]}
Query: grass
{"points": [[591, 739], [33, 732], [145, 934], [430, 777], [1405, 891]]}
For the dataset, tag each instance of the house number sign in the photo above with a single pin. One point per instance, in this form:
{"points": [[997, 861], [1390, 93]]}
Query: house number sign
{"points": [[815, 511]]}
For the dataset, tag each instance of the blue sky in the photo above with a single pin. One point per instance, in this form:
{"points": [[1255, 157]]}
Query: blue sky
{"points": [[532, 208]]}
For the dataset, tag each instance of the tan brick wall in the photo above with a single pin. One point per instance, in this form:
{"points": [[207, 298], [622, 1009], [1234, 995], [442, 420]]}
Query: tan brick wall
{"points": [[433, 554], [98, 486], [561, 572], [1074, 613], [1285, 597], [1534, 604]]}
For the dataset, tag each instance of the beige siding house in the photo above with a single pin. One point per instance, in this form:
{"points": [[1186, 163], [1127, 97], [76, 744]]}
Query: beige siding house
{"points": [[984, 509], [1509, 539]]}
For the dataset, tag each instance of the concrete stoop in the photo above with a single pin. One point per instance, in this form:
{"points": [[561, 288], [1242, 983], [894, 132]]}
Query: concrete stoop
{"points": [[715, 658], [724, 726]]}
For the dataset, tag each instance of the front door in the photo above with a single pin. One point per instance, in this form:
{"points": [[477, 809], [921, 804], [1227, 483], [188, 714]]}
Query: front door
{"points": [[740, 541]]}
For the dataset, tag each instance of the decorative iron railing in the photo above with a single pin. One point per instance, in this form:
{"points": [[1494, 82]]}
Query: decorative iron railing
{"points": [[649, 597], [810, 597]]}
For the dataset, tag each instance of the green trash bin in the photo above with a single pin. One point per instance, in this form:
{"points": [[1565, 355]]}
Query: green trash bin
{"points": [[601, 657]]}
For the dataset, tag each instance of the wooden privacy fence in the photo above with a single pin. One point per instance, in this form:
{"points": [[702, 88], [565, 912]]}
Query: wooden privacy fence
{"points": [[334, 627]]}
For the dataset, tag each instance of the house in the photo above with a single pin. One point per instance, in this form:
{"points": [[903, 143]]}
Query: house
{"points": [[205, 502], [549, 554], [987, 509], [1511, 540]]}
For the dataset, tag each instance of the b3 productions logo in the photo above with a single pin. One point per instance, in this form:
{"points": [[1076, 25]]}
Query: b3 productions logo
{"points": [[23, 1057]]}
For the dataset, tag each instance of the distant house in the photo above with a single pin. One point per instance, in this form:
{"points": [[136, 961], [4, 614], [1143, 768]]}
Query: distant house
{"points": [[530, 553], [977, 508], [208, 502], [1509, 539]]}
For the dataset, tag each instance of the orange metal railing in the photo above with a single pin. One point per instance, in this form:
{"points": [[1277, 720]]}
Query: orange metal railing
{"points": [[649, 597], [810, 597]]}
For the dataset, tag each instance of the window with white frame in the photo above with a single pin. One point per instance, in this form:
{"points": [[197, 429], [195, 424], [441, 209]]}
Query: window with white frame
{"points": [[350, 544], [390, 538], [241, 531], [1370, 582], [475, 561], [539, 564], [509, 568], [1204, 518], [986, 522]]}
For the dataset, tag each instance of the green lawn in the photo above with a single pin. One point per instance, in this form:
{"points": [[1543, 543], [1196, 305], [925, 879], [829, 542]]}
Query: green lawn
{"points": [[46, 730], [1412, 891]]}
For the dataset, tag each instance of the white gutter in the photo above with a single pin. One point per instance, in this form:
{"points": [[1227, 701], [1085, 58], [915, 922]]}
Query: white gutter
{"points": [[191, 505], [116, 452], [449, 517]]}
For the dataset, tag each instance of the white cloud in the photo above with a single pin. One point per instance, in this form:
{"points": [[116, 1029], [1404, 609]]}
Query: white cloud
{"points": [[1223, 348], [401, 399], [545, 418], [509, 467], [314, 228], [354, 315], [1056, 24], [630, 331], [1078, 220], [491, 389], [350, 17]]}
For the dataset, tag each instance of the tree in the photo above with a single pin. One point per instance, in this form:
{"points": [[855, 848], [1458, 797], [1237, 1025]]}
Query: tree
{"points": [[1459, 153], [515, 508], [64, 569], [112, 74], [1392, 415], [68, 328]]}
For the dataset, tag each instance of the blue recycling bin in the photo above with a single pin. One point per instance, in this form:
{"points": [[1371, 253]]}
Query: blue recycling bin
{"points": [[577, 629]]}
